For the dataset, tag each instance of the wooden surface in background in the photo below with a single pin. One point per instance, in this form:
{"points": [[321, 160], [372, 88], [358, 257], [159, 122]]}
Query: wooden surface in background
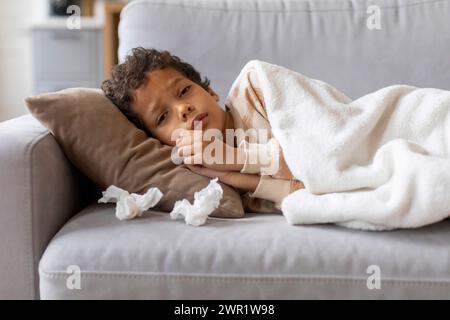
{"points": [[110, 36], [87, 8]]}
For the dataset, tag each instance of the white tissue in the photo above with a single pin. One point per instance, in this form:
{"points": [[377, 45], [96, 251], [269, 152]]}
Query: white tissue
{"points": [[130, 206], [205, 201]]}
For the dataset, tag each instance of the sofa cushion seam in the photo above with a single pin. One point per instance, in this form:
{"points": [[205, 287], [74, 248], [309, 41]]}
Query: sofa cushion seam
{"points": [[59, 274], [240, 10]]}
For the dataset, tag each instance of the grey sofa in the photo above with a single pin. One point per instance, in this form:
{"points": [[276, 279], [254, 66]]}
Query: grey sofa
{"points": [[49, 218]]}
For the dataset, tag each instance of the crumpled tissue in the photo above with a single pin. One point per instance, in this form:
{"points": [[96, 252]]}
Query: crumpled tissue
{"points": [[205, 201], [129, 206]]}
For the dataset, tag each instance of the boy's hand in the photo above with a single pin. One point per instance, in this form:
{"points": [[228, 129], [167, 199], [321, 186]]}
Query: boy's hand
{"points": [[192, 149], [242, 181]]}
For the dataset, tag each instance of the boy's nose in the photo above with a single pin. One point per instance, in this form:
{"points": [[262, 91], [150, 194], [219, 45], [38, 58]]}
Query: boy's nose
{"points": [[185, 110]]}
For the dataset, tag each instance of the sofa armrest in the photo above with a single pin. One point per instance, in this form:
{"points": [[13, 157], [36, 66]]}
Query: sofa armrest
{"points": [[39, 191]]}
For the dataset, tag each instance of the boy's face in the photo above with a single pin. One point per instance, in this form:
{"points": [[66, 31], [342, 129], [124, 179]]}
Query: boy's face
{"points": [[168, 101]]}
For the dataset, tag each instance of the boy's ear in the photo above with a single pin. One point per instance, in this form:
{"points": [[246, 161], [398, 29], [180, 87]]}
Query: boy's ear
{"points": [[213, 94]]}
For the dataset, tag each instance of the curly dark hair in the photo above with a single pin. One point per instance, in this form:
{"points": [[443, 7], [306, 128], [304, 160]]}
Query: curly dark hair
{"points": [[129, 75]]}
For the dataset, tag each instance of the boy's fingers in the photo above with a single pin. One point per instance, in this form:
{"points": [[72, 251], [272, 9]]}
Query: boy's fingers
{"points": [[182, 143], [187, 160], [188, 139], [190, 149], [183, 140], [196, 159], [185, 151]]}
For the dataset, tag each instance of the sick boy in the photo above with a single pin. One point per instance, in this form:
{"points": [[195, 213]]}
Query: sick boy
{"points": [[164, 96]]}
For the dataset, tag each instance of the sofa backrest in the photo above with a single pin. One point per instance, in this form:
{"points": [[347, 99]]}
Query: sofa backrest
{"points": [[358, 46]]}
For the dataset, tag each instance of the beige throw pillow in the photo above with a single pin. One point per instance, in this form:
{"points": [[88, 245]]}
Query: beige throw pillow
{"points": [[103, 144]]}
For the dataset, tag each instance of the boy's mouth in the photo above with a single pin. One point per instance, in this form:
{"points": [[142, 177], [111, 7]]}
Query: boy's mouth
{"points": [[200, 117]]}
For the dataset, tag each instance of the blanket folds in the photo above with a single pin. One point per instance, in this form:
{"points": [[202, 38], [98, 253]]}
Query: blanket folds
{"points": [[378, 162]]}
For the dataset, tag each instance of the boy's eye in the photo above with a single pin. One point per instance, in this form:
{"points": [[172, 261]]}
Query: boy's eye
{"points": [[161, 118], [185, 90]]}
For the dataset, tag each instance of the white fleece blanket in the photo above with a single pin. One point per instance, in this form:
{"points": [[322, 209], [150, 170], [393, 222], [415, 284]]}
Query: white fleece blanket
{"points": [[378, 162]]}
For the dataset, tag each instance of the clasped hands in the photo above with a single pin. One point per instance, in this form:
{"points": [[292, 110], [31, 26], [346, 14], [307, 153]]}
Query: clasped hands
{"points": [[222, 160]]}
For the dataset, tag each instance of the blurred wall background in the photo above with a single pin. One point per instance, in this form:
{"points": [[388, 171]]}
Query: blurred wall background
{"points": [[16, 19]]}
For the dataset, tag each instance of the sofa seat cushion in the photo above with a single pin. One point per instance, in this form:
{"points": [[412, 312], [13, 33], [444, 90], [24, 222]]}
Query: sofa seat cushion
{"points": [[259, 256]]}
